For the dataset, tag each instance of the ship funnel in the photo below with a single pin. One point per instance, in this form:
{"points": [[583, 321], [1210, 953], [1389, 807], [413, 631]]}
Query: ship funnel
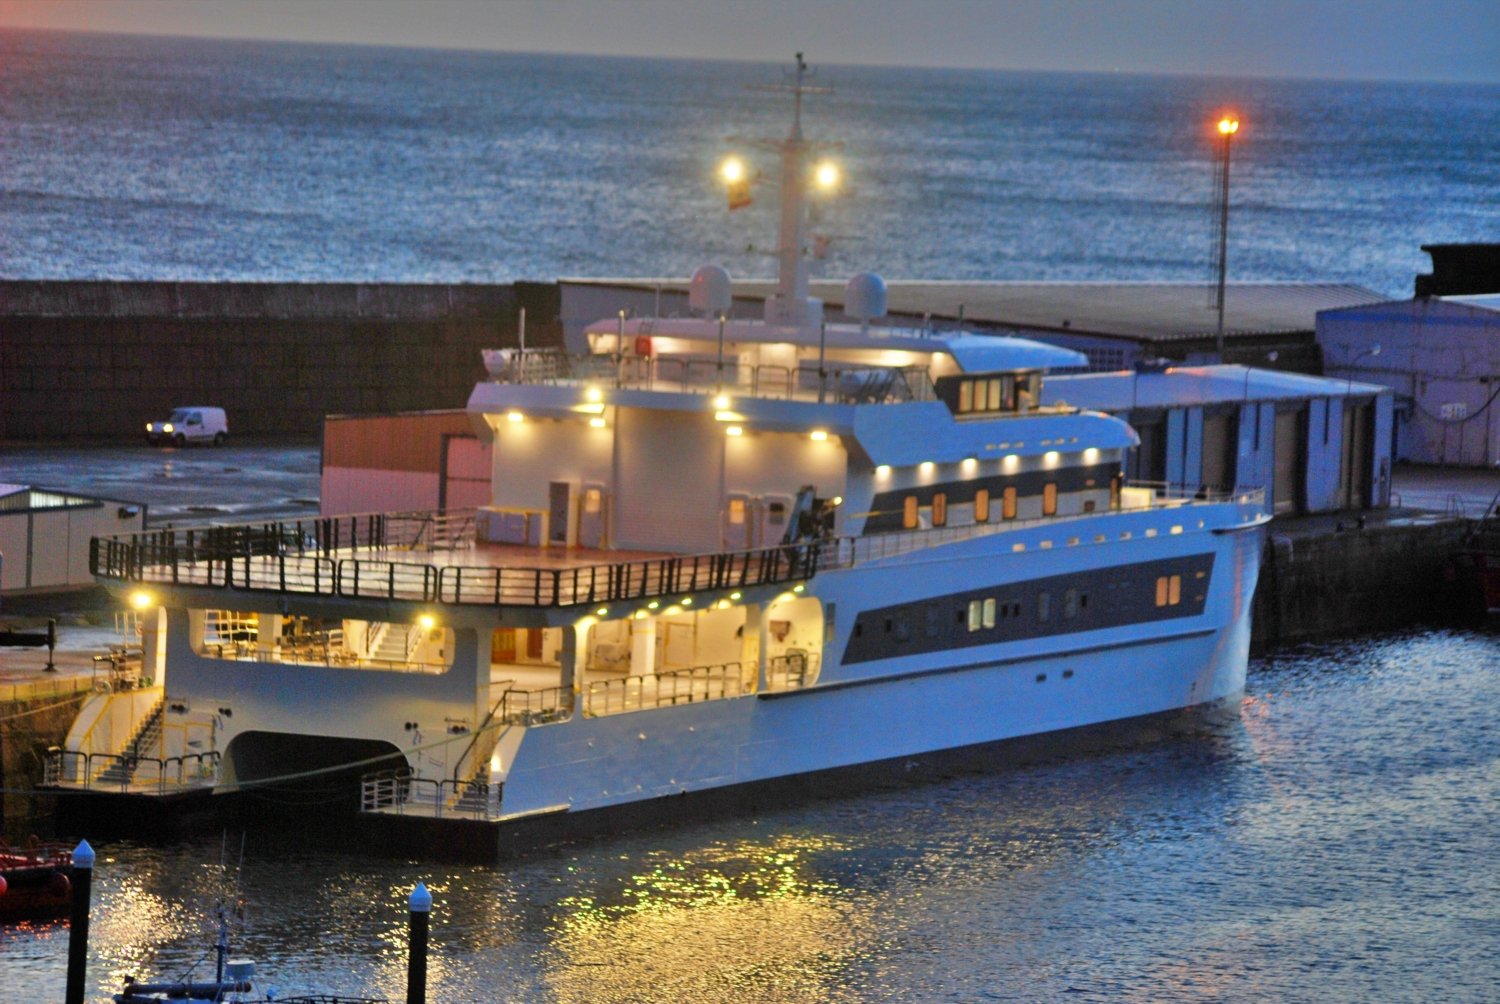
{"points": [[864, 297], [710, 293]]}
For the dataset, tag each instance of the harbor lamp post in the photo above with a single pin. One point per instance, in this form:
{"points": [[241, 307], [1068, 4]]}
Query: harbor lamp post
{"points": [[1228, 126]]}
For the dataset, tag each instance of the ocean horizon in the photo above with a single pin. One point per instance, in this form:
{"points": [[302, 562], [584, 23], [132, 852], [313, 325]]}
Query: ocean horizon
{"points": [[156, 158]]}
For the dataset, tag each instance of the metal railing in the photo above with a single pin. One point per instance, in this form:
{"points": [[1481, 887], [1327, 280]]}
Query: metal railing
{"points": [[838, 383], [657, 690], [133, 773], [399, 791], [845, 552], [288, 558], [536, 707]]}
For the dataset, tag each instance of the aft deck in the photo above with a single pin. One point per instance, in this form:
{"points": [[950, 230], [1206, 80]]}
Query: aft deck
{"points": [[427, 558]]}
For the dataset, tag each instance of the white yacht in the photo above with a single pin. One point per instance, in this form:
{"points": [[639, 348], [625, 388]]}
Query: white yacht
{"points": [[722, 554]]}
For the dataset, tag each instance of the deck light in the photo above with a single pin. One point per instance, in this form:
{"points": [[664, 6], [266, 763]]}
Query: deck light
{"points": [[838, 500], [926, 466], [1091, 454], [141, 600], [818, 435], [721, 401], [602, 611], [732, 170], [1050, 457], [594, 394], [687, 601], [827, 174], [515, 416], [597, 422], [652, 605], [969, 463], [734, 430], [734, 596], [427, 622], [798, 588], [883, 471]]}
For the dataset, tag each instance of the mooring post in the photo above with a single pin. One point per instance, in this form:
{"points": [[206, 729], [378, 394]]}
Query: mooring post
{"points": [[78, 920], [416, 966]]}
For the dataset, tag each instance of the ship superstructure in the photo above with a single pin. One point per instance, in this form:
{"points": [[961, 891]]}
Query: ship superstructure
{"points": [[720, 553]]}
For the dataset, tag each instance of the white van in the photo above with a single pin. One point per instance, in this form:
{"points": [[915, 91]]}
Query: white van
{"points": [[189, 425]]}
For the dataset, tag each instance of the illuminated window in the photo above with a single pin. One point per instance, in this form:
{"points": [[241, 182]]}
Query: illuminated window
{"points": [[909, 513], [1008, 504], [989, 613], [965, 397], [736, 512], [1114, 491], [940, 509], [976, 614], [593, 501], [1049, 499], [994, 395], [982, 506], [1161, 590], [1168, 590]]}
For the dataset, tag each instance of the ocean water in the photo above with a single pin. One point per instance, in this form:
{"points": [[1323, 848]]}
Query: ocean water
{"points": [[147, 158], [1334, 841]]}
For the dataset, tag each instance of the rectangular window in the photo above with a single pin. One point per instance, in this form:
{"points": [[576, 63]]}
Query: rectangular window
{"points": [[965, 396], [736, 512], [1049, 499], [1161, 590], [1115, 484], [982, 506], [1008, 504], [1174, 590], [593, 501], [1070, 603], [909, 513], [940, 509], [995, 392], [976, 615], [989, 613], [1044, 606]]}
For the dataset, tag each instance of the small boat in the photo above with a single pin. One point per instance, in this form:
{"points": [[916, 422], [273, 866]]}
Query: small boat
{"points": [[1478, 558], [34, 881]]}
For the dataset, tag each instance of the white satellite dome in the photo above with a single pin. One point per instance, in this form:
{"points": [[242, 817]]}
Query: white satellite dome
{"points": [[710, 292], [864, 297]]}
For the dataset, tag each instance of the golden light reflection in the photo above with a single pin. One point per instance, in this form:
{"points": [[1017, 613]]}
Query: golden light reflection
{"points": [[709, 926]]}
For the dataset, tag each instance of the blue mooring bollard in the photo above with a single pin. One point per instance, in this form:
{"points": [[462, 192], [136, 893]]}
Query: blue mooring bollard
{"points": [[416, 965], [78, 920]]}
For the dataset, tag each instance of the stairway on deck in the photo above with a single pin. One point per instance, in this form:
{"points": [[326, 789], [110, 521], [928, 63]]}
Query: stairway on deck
{"points": [[122, 771]]}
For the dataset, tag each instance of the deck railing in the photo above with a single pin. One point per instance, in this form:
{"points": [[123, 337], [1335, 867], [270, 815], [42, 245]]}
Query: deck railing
{"points": [[322, 558], [132, 773], [838, 383], [402, 793], [657, 690]]}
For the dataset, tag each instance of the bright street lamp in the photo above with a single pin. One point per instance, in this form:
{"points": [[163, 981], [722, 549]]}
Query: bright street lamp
{"points": [[1228, 126]]}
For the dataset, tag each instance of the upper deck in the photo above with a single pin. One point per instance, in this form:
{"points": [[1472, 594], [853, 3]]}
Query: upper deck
{"points": [[434, 558]]}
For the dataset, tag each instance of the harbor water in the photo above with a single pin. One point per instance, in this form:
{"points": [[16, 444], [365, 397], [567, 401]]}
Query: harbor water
{"points": [[1333, 841]]}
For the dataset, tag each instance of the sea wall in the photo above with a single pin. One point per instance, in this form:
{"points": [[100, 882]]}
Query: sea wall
{"points": [[1324, 580], [33, 717], [99, 359]]}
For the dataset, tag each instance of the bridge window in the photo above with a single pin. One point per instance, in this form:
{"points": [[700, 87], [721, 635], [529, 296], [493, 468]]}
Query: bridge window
{"points": [[982, 506], [1168, 590], [1049, 499], [909, 513], [1008, 503], [940, 509]]}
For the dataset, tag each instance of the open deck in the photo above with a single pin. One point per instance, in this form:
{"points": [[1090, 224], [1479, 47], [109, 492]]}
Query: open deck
{"points": [[381, 557]]}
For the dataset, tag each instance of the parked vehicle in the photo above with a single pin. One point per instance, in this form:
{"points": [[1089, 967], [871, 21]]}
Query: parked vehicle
{"points": [[189, 425]]}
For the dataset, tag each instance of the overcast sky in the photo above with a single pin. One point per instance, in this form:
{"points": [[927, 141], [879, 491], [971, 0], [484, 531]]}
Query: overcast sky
{"points": [[1359, 39]]}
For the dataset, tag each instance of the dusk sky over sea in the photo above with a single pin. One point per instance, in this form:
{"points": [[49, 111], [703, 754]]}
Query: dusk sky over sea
{"points": [[1442, 40]]}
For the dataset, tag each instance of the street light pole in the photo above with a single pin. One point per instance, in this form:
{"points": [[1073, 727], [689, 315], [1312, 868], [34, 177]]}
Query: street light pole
{"points": [[1227, 128]]}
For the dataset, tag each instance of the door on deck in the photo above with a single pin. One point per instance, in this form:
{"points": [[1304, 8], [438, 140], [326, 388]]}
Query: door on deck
{"points": [[1220, 445]]}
